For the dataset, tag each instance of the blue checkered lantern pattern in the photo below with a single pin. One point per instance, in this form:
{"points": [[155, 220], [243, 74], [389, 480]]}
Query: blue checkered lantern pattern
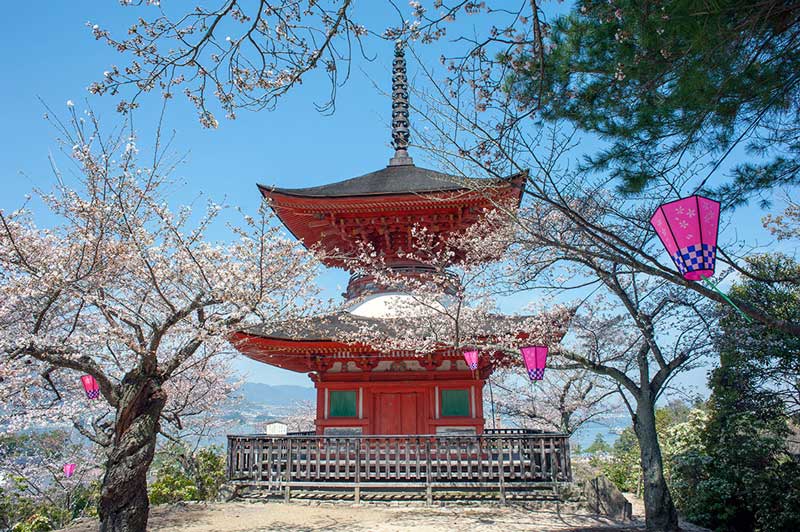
{"points": [[536, 374], [535, 358], [90, 386], [471, 357], [695, 258], [688, 229]]}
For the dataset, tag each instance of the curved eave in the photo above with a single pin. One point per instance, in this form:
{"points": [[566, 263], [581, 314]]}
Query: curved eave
{"points": [[301, 354], [393, 180], [294, 355], [334, 222], [513, 181], [277, 345]]}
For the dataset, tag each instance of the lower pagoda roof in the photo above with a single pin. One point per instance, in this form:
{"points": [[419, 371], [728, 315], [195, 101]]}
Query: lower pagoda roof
{"points": [[333, 327], [312, 343]]}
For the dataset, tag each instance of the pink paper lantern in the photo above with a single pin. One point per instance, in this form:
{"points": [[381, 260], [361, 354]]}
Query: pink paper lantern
{"points": [[91, 387], [535, 357], [69, 470], [472, 359], [688, 229]]}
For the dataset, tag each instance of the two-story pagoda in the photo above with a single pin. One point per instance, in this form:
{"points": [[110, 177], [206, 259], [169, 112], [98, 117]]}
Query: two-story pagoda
{"points": [[387, 419], [360, 391]]}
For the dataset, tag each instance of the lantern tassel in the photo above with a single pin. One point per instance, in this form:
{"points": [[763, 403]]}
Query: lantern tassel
{"points": [[725, 296]]}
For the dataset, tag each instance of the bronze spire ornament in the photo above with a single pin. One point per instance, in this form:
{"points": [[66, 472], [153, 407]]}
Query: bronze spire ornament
{"points": [[400, 122]]}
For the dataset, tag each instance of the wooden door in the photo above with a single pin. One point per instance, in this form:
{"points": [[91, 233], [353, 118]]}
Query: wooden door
{"points": [[387, 420], [396, 413], [408, 413]]}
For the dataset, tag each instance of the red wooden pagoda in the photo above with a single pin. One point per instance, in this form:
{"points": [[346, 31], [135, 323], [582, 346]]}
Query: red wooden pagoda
{"points": [[360, 390]]}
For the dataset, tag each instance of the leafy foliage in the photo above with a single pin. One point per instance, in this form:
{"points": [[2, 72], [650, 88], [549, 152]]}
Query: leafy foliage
{"points": [[599, 445], [742, 475], [663, 79], [182, 475], [623, 467], [676, 425]]}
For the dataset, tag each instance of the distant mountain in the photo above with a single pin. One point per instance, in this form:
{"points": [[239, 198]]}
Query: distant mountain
{"points": [[254, 404], [275, 395]]}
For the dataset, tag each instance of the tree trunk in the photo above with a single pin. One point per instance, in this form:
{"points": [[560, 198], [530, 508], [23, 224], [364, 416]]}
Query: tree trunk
{"points": [[659, 510], [123, 497]]}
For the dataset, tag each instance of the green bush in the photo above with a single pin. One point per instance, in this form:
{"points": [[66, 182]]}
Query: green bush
{"points": [[739, 478], [738, 475], [172, 486], [20, 511], [34, 523], [599, 446], [622, 466], [677, 429], [184, 476]]}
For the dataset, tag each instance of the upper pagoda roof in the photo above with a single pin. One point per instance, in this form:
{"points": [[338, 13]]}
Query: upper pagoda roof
{"points": [[398, 179], [382, 207]]}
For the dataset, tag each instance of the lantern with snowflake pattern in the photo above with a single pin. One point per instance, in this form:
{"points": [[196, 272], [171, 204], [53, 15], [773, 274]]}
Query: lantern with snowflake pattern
{"points": [[688, 229]]}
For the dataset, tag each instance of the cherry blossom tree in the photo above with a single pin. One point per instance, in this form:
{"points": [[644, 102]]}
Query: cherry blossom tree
{"points": [[123, 288], [247, 55], [32, 469], [612, 227], [301, 416], [450, 302], [563, 401], [242, 55], [785, 225], [574, 235], [640, 331]]}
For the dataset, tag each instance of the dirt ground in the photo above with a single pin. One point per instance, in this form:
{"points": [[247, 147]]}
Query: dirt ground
{"points": [[308, 517]]}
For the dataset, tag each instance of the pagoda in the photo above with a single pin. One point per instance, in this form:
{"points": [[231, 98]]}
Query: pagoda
{"points": [[361, 390]]}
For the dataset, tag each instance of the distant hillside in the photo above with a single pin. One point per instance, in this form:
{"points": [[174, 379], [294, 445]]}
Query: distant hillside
{"points": [[275, 395], [254, 404]]}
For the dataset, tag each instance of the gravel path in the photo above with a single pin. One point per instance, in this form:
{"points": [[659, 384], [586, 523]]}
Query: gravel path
{"points": [[302, 517]]}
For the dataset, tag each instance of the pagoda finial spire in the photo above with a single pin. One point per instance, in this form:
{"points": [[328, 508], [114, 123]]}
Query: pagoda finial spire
{"points": [[400, 123]]}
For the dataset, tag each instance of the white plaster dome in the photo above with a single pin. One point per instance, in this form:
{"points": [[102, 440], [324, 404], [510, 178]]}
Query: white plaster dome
{"points": [[394, 305]]}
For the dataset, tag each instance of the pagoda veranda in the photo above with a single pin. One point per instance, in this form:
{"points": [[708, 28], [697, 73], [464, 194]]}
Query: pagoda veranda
{"points": [[388, 367]]}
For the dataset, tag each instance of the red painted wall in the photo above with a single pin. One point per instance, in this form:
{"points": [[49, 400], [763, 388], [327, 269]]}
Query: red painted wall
{"points": [[399, 403]]}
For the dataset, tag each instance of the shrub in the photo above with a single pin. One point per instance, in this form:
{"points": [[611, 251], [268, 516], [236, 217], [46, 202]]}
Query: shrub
{"points": [[184, 476], [34, 523]]}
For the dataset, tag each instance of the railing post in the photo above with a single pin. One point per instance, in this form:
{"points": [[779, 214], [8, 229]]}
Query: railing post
{"points": [[287, 496], [568, 459], [357, 491], [260, 457], [230, 458], [502, 471], [428, 486]]}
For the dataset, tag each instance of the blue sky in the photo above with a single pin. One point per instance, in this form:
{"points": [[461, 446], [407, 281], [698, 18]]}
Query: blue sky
{"points": [[50, 54]]}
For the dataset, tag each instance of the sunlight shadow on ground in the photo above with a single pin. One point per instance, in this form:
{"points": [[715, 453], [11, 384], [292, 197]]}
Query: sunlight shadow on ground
{"points": [[303, 517]]}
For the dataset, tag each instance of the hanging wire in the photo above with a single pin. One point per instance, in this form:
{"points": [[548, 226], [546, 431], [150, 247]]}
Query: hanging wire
{"points": [[715, 288]]}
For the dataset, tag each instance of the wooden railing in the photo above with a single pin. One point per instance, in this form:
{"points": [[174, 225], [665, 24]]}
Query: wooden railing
{"points": [[511, 431], [498, 461]]}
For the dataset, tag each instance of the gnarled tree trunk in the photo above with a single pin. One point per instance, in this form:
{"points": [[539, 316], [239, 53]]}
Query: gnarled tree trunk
{"points": [[123, 497], [659, 509]]}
